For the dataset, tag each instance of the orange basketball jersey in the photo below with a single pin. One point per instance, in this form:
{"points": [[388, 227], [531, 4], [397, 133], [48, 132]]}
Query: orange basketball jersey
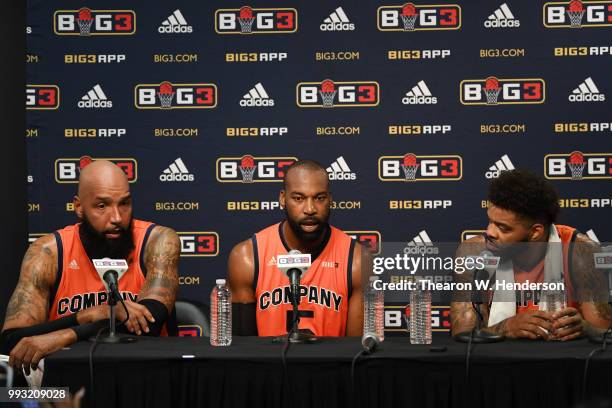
{"points": [[529, 300], [78, 286], [324, 289]]}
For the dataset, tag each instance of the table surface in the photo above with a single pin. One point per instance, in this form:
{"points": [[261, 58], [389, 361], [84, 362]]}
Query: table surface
{"points": [[328, 348], [187, 371]]}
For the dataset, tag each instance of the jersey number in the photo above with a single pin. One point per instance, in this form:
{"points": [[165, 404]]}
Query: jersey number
{"points": [[301, 313]]}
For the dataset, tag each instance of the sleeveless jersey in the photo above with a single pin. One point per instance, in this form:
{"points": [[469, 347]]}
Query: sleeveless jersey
{"points": [[529, 300], [324, 289], [78, 286]]}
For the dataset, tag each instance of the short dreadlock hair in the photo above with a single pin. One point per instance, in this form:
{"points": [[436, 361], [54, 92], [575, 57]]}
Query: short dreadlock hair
{"points": [[526, 194]]}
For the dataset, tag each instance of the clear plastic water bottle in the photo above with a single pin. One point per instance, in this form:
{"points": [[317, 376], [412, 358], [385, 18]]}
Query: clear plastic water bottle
{"points": [[220, 315], [374, 310], [553, 300], [420, 313]]}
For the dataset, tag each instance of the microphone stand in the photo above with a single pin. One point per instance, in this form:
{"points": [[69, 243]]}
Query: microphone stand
{"points": [[296, 335], [477, 334], [113, 336]]}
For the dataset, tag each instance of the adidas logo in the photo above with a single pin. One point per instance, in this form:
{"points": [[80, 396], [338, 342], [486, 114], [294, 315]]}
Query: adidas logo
{"points": [[337, 21], [470, 236], [587, 92], [591, 234], [339, 170], [419, 95], [257, 96], [272, 261], [177, 171], [175, 23], [73, 264], [95, 98], [502, 18], [502, 164], [421, 244]]}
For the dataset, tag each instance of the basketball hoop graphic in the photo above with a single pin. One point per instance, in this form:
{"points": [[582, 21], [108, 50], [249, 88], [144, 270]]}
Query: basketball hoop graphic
{"points": [[247, 168], [576, 165], [575, 11], [246, 19], [328, 93], [409, 16], [166, 94], [85, 21], [85, 161], [410, 166], [492, 90]]}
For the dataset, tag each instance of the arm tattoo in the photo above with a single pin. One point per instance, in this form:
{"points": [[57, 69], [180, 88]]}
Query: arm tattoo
{"points": [[463, 317], [604, 310], [161, 260], [30, 299], [499, 328], [590, 285]]}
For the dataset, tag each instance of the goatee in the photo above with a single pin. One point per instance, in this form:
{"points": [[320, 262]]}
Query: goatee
{"points": [[509, 250], [98, 246], [307, 236]]}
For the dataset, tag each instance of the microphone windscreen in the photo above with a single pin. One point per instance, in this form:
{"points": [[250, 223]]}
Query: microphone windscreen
{"points": [[370, 341]]}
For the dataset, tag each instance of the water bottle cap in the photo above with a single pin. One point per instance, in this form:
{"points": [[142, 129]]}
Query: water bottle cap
{"points": [[220, 281]]}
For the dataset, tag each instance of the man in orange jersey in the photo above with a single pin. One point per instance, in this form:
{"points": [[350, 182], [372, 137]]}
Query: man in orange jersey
{"points": [[330, 295], [521, 229], [60, 298]]}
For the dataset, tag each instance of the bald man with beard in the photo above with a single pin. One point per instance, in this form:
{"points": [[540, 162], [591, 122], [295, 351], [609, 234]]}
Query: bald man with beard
{"points": [[60, 299], [331, 297]]}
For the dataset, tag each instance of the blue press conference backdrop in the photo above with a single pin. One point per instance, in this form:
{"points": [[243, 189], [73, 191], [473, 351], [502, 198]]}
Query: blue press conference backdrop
{"points": [[413, 107]]}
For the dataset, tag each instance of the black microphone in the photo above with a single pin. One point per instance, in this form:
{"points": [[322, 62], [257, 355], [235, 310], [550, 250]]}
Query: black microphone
{"points": [[111, 277], [486, 271], [370, 342], [603, 262], [294, 274], [294, 265], [110, 271], [490, 264]]}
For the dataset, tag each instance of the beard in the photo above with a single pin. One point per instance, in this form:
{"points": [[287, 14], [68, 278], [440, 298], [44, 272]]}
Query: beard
{"points": [[508, 250], [304, 235], [98, 246]]}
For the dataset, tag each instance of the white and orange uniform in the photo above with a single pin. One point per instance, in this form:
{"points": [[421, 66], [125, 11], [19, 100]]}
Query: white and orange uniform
{"points": [[78, 286], [324, 289]]}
